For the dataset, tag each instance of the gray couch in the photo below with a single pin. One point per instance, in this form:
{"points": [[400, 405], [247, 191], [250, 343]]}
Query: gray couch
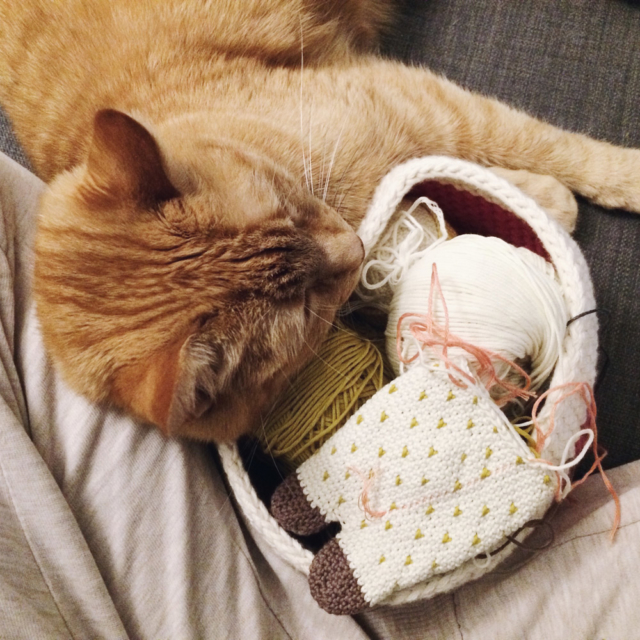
{"points": [[574, 63]]}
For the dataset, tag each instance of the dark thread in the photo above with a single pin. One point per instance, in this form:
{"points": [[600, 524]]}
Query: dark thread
{"points": [[532, 550], [533, 524], [606, 312], [604, 367]]}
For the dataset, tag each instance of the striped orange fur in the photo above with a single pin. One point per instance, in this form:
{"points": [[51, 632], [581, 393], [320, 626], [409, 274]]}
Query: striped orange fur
{"points": [[208, 162]]}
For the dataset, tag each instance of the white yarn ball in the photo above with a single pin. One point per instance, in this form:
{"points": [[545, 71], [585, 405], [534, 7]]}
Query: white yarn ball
{"points": [[499, 297]]}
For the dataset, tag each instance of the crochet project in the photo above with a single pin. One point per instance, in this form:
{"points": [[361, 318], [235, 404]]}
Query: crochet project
{"points": [[425, 477]]}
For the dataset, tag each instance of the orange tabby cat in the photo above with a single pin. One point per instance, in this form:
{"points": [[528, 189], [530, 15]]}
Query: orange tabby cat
{"points": [[191, 254]]}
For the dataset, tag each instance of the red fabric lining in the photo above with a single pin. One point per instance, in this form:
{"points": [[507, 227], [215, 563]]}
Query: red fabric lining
{"points": [[470, 213]]}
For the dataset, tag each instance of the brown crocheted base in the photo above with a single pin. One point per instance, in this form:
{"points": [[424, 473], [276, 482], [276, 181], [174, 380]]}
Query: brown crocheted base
{"points": [[332, 583], [290, 507]]}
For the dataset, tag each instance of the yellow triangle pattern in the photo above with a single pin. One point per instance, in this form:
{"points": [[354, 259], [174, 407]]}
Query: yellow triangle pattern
{"points": [[485, 473]]}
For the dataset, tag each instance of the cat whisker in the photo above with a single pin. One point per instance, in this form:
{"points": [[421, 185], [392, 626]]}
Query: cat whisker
{"points": [[342, 375], [324, 160], [333, 157], [335, 326], [304, 160], [352, 305], [347, 309], [310, 166], [312, 312], [225, 503], [341, 193], [266, 440], [251, 455]]}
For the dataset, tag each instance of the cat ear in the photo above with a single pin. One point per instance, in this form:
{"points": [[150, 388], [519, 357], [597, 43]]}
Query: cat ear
{"points": [[125, 161], [147, 388], [179, 384], [163, 389]]}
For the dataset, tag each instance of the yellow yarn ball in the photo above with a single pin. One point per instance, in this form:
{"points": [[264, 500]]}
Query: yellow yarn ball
{"points": [[347, 371]]}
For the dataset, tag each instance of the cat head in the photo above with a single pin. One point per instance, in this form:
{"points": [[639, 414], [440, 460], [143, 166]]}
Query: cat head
{"points": [[186, 291]]}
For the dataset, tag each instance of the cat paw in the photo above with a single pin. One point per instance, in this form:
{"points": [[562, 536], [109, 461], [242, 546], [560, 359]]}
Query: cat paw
{"points": [[556, 199], [618, 186]]}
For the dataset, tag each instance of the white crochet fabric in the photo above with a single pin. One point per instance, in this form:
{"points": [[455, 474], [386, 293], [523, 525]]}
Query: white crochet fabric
{"points": [[577, 361], [443, 473]]}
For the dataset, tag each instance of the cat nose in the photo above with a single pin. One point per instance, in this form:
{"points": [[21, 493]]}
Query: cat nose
{"points": [[343, 250]]}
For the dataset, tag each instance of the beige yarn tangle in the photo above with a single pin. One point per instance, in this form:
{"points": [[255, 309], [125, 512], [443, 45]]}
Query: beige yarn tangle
{"points": [[347, 371]]}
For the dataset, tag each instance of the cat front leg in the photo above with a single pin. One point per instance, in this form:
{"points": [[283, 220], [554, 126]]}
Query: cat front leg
{"points": [[491, 133], [417, 112]]}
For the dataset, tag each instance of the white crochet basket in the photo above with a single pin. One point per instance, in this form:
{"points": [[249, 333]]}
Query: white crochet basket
{"points": [[577, 362]]}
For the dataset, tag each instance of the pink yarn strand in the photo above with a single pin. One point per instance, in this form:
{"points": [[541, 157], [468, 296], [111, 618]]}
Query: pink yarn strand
{"points": [[364, 500], [439, 339], [586, 394]]}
